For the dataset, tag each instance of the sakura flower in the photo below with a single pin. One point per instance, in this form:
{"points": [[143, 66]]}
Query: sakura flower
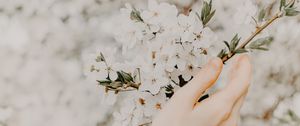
{"points": [[178, 61], [205, 39], [162, 50], [190, 71], [126, 113], [151, 104], [160, 14], [191, 27], [109, 68], [131, 33], [155, 79]]}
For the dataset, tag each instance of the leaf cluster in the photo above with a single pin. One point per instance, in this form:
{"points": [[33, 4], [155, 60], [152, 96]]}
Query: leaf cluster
{"points": [[259, 44], [135, 15], [233, 44], [100, 58], [288, 8], [262, 14], [206, 13], [232, 47], [124, 81]]}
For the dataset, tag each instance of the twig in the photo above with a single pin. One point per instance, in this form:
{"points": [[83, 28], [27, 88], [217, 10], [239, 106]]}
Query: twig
{"points": [[118, 90], [146, 124], [258, 30], [250, 38]]}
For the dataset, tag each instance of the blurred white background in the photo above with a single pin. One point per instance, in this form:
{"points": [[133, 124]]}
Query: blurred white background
{"points": [[44, 46]]}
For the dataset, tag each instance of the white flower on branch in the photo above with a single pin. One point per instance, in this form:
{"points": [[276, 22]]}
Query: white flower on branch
{"points": [[154, 79], [161, 14], [163, 50]]}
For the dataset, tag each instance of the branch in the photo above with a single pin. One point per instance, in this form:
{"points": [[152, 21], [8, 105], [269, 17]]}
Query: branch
{"points": [[146, 124], [252, 36], [278, 15]]}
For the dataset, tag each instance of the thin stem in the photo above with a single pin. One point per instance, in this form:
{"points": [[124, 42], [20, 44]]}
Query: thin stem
{"points": [[134, 85], [118, 90], [146, 124], [252, 36]]}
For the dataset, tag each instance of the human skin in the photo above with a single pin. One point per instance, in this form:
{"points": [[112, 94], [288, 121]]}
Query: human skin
{"points": [[220, 109]]}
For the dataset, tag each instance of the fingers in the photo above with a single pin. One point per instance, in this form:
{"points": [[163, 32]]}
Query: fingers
{"points": [[234, 118], [220, 105], [190, 93], [240, 79]]}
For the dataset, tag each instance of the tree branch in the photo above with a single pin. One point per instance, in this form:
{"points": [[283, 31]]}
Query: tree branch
{"points": [[252, 36]]}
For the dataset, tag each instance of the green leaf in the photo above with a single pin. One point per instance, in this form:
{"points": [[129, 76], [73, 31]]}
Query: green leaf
{"points": [[104, 82], [282, 4], [261, 15], [135, 15], [210, 3], [291, 12], [262, 41], [234, 43], [116, 84], [208, 18], [222, 53], [260, 44], [206, 12], [259, 48], [240, 51], [291, 4], [120, 77], [127, 76], [100, 58], [227, 44], [124, 77], [110, 84]]}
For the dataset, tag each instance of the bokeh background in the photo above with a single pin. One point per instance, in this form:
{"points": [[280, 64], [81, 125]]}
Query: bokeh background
{"points": [[46, 44]]}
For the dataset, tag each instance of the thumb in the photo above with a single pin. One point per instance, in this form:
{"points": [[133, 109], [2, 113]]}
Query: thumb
{"points": [[190, 93]]}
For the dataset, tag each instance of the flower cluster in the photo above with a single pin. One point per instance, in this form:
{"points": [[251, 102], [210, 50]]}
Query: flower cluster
{"points": [[174, 46], [161, 50]]}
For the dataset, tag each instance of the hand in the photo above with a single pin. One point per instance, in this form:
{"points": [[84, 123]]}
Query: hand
{"points": [[221, 109]]}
